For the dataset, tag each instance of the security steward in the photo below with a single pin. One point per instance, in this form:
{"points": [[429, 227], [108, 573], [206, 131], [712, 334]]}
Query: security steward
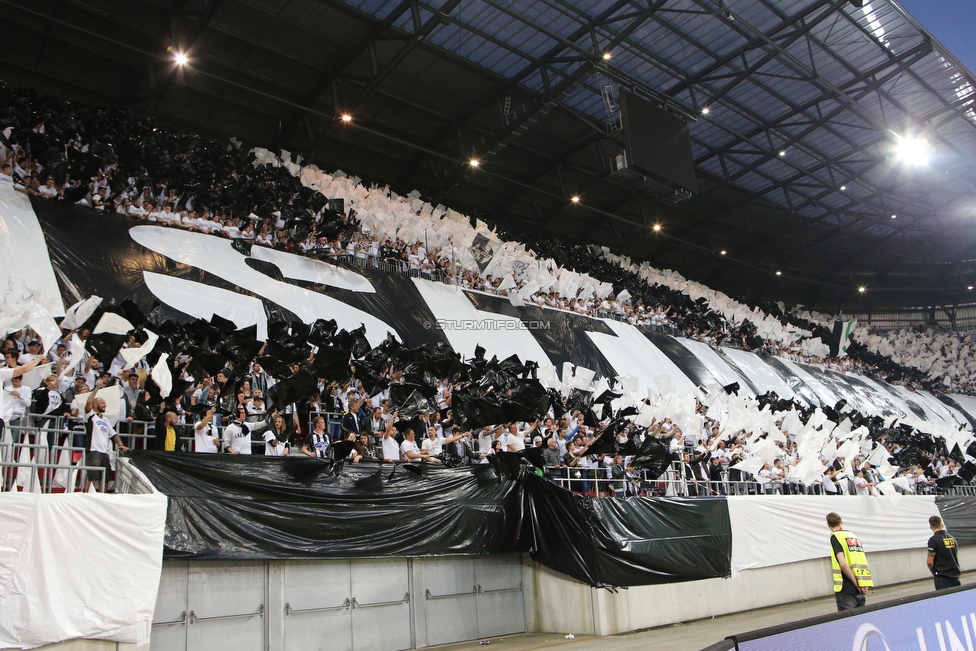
{"points": [[942, 559], [851, 574]]}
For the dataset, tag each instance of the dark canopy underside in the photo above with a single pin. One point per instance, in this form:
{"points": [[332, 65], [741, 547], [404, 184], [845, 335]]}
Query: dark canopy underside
{"points": [[518, 84]]}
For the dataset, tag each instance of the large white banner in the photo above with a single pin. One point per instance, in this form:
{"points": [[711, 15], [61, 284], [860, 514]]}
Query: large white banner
{"points": [[774, 530], [78, 565], [24, 259]]}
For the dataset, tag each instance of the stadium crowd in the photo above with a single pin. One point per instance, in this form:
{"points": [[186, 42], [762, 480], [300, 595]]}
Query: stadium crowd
{"points": [[103, 159], [580, 438]]}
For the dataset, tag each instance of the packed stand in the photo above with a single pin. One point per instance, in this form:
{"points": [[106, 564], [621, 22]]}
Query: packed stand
{"points": [[103, 159], [318, 393]]}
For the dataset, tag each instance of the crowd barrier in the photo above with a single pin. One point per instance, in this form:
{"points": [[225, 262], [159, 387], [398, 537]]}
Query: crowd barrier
{"points": [[387, 265], [30, 463], [673, 483], [32, 457]]}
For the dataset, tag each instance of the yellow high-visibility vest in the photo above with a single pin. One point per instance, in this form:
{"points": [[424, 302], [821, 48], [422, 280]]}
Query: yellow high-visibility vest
{"points": [[856, 560]]}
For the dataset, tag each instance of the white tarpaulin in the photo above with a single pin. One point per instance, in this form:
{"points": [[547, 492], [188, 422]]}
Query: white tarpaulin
{"points": [[23, 251], [78, 565], [770, 531], [822, 391]]}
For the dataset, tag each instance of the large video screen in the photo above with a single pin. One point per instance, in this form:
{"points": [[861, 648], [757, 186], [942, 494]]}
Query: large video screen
{"points": [[657, 142]]}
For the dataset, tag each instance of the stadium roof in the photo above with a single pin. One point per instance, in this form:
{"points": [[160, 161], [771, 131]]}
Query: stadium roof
{"points": [[797, 157]]}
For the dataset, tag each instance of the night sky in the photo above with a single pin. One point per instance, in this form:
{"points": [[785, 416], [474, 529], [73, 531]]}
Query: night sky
{"points": [[951, 22]]}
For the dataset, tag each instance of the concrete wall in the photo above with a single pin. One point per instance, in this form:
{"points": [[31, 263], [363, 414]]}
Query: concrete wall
{"points": [[556, 603]]}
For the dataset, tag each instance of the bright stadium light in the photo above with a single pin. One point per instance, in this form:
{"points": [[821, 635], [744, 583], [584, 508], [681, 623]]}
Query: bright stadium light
{"points": [[779, 273], [607, 56], [704, 110], [657, 228], [862, 289], [914, 152], [180, 59], [474, 162], [346, 117], [574, 199]]}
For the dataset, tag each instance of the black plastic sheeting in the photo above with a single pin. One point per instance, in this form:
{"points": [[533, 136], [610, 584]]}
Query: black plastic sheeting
{"points": [[959, 516], [564, 336], [95, 256], [636, 541], [249, 508], [396, 302]]}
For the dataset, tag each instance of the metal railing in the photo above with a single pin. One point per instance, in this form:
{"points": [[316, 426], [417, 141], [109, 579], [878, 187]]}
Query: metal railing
{"points": [[59, 466], [367, 261], [37, 467], [673, 483]]}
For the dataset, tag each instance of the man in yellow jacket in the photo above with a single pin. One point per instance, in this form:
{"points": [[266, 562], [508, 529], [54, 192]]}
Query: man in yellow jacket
{"points": [[851, 574]]}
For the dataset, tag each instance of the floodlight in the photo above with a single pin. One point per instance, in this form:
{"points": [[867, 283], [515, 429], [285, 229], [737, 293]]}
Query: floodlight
{"points": [[914, 151]]}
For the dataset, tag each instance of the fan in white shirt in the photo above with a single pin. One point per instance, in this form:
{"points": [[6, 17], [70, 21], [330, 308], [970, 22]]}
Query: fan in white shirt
{"points": [[204, 434], [512, 440], [434, 444], [391, 450], [409, 452], [49, 190]]}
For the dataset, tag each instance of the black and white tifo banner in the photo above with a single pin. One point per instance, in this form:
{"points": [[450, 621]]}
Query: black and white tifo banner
{"points": [[197, 275]]}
